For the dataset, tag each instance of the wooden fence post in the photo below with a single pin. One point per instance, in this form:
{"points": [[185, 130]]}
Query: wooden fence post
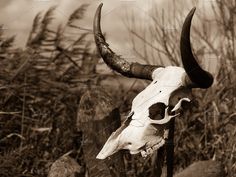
{"points": [[170, 148]]}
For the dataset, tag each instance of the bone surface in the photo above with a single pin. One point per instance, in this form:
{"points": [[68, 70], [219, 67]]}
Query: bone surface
{"points": [[141, 134]]}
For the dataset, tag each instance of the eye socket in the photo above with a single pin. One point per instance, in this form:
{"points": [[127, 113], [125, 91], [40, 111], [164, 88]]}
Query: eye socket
{"points": [[157, 111], [186, 104], [155, 82]]}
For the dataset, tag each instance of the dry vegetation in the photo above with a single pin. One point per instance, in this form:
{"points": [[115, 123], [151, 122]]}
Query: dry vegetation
{"points": [[42, 86]]}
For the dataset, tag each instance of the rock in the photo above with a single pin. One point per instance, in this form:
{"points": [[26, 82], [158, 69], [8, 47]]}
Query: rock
{"points": [[65, 166], [208, 168]]}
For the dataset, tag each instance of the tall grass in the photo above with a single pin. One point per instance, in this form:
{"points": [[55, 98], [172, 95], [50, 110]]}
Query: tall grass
{"points": [[41, 87]]}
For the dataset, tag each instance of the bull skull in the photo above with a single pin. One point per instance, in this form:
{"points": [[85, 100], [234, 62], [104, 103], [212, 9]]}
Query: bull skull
{"points": [[143, 130]]}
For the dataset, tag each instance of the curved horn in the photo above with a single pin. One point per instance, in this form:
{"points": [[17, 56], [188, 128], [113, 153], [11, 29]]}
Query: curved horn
{"points": [[197, 77], [114, 61]]}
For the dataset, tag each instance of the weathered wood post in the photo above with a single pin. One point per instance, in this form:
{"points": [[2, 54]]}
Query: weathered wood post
{"points": [[165, 153], [170, 148]]}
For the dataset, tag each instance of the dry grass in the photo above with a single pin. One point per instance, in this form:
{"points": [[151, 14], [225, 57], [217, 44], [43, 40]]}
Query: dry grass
{"points": [[41, 87]]}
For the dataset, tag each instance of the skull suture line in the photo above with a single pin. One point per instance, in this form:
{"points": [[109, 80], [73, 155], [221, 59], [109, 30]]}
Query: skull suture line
{"points": [[143, 130]]}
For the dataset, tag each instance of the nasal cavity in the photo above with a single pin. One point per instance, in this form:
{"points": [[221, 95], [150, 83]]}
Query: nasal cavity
{"points": [[157, 111]]}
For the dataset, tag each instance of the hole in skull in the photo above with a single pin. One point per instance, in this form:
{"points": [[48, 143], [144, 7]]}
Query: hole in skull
{"points": [[157, 111], [186, 105], [176, 96]]}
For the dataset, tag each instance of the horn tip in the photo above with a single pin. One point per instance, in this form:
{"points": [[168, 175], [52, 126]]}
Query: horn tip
{"points": [[100, 5], [192, 11], [99, 8], [97, 18], [194, 8]]}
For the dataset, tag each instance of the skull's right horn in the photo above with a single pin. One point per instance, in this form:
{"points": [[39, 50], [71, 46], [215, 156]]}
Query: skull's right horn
{"points": [[114, 61], [197, 77]]}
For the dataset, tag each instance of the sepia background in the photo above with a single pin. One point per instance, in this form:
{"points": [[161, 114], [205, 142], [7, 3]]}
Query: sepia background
{"points": [[60, 102]]}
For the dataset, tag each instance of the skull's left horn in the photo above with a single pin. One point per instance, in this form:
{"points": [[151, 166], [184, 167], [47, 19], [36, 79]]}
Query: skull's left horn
{"points": [[197, 77], [114, 61]]}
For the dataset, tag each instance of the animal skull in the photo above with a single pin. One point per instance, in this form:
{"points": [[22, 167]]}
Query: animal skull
{"points": [[139, 133], [143, 130]]}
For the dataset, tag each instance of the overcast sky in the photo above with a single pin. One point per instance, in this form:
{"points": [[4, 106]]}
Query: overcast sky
{"points": [[17, 15]]}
